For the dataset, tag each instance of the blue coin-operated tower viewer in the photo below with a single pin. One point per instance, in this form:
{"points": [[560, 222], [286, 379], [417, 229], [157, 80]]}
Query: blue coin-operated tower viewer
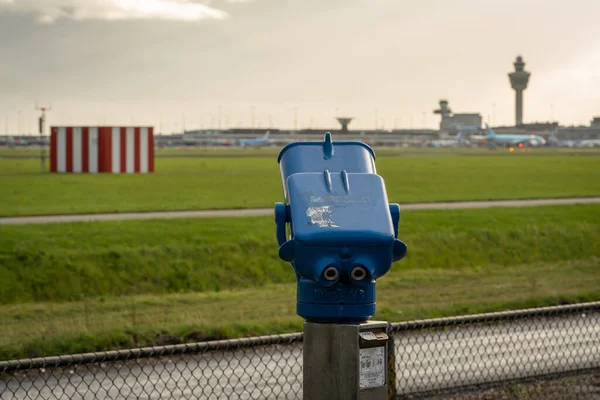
{"points": [[340, 234]]}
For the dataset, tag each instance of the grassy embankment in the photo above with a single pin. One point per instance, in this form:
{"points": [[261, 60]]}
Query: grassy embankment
{"points": [[82, 287], [213, 183]]}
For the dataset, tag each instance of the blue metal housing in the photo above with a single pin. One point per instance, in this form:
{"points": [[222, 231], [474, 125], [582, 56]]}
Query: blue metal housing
{"points": [[342, 230]]}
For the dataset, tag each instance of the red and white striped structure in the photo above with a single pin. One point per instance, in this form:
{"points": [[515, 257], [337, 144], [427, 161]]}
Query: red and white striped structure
{"points": [[102, 149]]}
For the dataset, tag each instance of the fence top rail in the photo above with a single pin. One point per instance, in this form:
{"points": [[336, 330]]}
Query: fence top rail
{"points": [[148, 352], [494, 317], [12, 366]]}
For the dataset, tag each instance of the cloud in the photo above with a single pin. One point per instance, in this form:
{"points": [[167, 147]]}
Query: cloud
{"points": [[48, 11]]}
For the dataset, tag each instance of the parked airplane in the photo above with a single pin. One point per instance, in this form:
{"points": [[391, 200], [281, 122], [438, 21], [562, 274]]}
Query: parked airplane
{"points": [[262, 141], [556, 142], [459, 139], [513, 140], [12, 142], [478, 140], [589, 143]]}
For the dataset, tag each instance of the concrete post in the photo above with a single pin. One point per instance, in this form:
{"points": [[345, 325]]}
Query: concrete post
{"points": [[345, 361]]}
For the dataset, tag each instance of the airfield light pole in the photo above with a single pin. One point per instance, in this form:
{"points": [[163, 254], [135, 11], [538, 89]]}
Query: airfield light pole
{"points": [[295, 119], [376, 118], [220, 117], [42, 121]]}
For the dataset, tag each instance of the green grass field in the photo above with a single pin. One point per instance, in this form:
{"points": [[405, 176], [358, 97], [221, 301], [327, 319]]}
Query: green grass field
{"points": [[250, 182], [93, 286]]}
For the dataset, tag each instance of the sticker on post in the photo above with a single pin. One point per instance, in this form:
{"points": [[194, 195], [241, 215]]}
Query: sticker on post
{"points": [[372, 367], [368, 336]]}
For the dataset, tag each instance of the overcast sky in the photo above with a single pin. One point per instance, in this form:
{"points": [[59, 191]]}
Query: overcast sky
{"points": [[160, 62]]}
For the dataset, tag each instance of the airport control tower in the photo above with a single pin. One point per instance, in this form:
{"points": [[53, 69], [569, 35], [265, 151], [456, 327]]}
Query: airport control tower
{"points": [[344, 121], [446, 114], [518, 81]]}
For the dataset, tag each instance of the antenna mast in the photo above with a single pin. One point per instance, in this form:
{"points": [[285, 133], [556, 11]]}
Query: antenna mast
{"points": [[42, 128]]}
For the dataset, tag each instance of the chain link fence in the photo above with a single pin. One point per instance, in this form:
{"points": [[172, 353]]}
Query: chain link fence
{"points": [[545, 353]]}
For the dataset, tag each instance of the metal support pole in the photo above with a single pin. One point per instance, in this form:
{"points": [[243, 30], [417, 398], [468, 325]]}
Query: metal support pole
{"points": [[391, 368], [345, 361], [42, 130]]}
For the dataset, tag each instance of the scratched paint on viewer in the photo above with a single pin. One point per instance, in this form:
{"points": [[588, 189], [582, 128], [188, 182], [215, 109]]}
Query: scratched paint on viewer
{"points": [[321, 216]]}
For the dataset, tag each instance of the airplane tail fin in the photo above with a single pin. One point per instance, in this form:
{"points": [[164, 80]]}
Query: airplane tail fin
{"points": [[489, 133], [266, 137], [460, 137]]}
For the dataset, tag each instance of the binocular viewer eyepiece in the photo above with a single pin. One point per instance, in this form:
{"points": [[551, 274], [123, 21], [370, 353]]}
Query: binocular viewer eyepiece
{"points": [[336, 228]]}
